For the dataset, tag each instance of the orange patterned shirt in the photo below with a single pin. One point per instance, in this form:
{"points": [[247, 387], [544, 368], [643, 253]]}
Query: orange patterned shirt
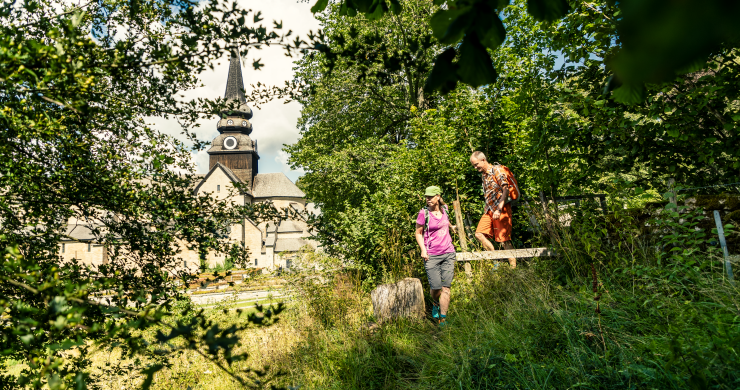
{"points": [[494, 181]]}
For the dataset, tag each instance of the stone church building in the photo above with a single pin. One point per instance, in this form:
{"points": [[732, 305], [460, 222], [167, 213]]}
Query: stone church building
{"points": [[233, 158]]}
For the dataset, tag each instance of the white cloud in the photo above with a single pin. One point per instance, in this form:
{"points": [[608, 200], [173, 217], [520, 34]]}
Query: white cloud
{"points": [[274, 123], [282, 158]]}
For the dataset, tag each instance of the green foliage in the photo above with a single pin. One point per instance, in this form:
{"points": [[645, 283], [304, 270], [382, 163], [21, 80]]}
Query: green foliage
{"points": [[471, 27], [682, 129], [657, 42], [370, 145]]}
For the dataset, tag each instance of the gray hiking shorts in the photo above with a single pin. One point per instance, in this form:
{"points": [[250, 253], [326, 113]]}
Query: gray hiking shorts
{"points": [[440, 270]]}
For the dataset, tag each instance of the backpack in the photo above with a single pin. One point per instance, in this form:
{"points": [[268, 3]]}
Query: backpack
{"points": [[426, 215], [514, 193]]}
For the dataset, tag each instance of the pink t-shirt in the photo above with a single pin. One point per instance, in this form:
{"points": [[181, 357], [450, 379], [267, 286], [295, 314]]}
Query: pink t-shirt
{"points": [[437, 237]]}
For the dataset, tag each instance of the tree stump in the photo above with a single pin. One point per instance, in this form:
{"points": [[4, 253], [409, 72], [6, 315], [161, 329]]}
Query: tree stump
{"points": [[404, 298]]}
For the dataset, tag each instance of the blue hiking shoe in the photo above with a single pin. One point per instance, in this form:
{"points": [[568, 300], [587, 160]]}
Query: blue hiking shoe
{"points": [[435, 311], [443, 322]]}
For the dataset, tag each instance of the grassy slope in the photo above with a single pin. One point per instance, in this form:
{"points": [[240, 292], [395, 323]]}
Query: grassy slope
{"points": [[521, 330]]}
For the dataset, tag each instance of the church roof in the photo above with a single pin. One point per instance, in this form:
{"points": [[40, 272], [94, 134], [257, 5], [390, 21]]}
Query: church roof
{"points": [[289, 227], [292, 244], [267, 185], [80, 232]]}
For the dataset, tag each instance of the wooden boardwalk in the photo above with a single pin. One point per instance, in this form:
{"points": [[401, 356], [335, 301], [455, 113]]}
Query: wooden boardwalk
{"points": [[506, 254]]}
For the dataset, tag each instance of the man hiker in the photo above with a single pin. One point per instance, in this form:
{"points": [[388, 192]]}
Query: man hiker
{"points": [[496, 220]]}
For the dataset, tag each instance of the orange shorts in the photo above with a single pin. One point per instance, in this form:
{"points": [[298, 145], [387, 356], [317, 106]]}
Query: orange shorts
{"points": [[498, 229]]}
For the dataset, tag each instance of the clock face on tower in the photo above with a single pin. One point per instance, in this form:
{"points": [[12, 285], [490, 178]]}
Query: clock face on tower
{"points": [[229, 122], [230, 143], [244, 123]]}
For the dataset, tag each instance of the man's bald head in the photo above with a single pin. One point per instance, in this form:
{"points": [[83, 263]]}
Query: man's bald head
{"points": [[478, 159], [478, 155]]}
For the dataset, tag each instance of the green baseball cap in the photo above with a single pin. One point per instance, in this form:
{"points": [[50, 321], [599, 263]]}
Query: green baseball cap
{"points": [[433, 190]]}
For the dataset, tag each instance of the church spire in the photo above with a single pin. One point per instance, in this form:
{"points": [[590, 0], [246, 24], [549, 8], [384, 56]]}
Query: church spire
{"points": [[236, 118], [234, 82], [233, 148]]}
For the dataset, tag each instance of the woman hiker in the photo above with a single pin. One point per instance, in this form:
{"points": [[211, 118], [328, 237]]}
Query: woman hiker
{"points": [[433, 236]]}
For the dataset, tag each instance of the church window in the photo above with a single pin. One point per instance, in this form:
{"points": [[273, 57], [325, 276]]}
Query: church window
{"points": [[185, 263], [230, 142], [89, 247], [64, 247], [255, 262], [218, 188]]}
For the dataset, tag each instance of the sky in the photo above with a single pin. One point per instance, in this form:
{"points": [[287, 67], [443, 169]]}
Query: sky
{"points": [[274, 123]]}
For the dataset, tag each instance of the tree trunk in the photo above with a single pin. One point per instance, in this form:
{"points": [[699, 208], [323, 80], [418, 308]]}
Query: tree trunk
{"points": [[404, 298]]}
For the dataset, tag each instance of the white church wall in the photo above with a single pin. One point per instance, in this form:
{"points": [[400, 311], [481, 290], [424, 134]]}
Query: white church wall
{"points": [[87, 253], [253, 241], [220, 186]]}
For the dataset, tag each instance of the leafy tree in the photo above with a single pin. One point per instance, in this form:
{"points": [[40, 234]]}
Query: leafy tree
{"points": [[77, 82], [659, 38], [366, 95], [372, 139], [685, 128], [368, 158]]}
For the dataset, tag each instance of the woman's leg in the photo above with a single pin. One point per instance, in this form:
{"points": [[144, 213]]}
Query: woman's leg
{"points": [[447, 269], [444, 300], [435, 295], [434, 275]]}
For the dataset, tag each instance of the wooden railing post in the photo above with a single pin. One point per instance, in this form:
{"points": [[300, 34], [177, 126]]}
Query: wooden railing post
{"points": [[461, 233]]}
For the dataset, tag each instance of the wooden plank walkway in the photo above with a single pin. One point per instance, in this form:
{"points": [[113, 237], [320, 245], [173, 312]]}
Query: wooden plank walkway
{"points": [[505, 254]]}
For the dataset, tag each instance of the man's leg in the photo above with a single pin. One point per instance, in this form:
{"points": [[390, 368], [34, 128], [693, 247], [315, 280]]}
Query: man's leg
{"points": [[484, 241], [485, 230], [508, 245], [502, 228], [444, 300]]}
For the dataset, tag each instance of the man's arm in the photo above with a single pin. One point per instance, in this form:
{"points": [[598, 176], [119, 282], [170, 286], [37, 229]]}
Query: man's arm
{"points": [[504, 197]]}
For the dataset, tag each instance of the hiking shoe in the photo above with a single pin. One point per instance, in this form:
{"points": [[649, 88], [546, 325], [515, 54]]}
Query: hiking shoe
{"points": [[435, 311], [443, 322]]}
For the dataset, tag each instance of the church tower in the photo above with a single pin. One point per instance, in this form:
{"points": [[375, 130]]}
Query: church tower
{"points": [[232, 147]]}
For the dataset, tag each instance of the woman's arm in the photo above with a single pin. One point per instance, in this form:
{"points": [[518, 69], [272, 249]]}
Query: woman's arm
{"points": [[420, 241]]}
